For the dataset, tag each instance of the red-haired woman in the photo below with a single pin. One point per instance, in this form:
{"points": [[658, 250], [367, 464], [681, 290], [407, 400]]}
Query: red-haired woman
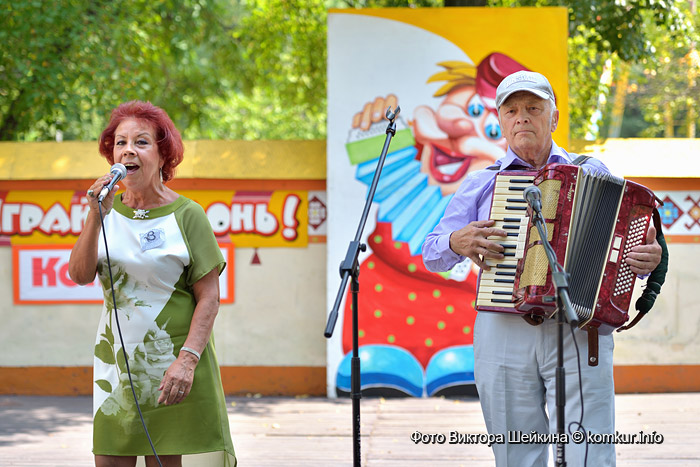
{"points": [[165, 265]]}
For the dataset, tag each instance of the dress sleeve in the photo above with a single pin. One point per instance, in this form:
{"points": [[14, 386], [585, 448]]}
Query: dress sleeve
{"points": [[203, 248]]}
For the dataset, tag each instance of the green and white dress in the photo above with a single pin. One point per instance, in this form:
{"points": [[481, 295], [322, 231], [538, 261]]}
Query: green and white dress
{"points": [[156, 256]]}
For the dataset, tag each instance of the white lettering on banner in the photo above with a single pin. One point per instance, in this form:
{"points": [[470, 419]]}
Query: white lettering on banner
{"points": [[30, 216], [55, 220], [9, 211], [78, 214], [265, 223], [253, 217], [242, 218], [219, 217], [24, 218], [291, 204], [41, 277]]}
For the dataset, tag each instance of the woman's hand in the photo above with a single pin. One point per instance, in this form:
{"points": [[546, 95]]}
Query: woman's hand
{"points": [[94, 191], [177, 382], [82, 266]]}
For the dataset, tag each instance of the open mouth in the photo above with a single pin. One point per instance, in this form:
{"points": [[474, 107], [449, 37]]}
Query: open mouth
{"points": [[131, 168], [446, 166]]}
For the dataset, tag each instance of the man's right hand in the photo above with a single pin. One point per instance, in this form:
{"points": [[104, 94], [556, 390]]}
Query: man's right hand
{"points": [[472, 241]]}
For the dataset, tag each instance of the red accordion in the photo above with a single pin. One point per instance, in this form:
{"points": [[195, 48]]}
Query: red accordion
{"points": [[593, 221]]}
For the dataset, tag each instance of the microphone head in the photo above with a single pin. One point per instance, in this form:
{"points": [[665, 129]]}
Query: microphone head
{"points": [[532, 193], [119, 170]]}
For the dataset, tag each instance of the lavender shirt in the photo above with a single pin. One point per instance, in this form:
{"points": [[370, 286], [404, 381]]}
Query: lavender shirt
{"points": [[472, 202]]}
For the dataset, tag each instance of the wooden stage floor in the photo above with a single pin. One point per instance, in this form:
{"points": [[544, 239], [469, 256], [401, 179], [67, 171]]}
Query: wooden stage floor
{"points": [[56, 431]]}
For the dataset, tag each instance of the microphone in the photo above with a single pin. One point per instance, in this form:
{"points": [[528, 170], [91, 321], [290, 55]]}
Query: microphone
{"points": [[119, 172], [533, 196]]}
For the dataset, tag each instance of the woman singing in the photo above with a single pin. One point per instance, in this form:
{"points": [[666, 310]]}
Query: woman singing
{"points": [[165, 265]]}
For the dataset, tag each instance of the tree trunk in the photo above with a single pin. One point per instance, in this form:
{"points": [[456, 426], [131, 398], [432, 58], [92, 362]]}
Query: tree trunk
{"points": [[10, 124], [618, 109], [668, 120]]}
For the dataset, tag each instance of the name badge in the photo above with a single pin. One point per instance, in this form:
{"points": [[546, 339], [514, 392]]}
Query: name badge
{"points": [[152, 239]]}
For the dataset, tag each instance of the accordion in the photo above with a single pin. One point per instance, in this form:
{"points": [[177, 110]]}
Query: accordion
{"points": [[593, 220]]}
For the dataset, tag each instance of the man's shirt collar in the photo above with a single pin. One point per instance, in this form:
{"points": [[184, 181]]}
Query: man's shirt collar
{"points": [[512, 161]]}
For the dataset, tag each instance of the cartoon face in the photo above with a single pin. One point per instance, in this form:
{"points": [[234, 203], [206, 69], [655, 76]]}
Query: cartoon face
{"points": [[461, 136]]}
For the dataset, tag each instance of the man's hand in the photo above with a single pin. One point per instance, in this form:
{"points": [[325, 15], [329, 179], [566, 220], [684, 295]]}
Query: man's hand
{"points": [[643, 259], [472, 241]]}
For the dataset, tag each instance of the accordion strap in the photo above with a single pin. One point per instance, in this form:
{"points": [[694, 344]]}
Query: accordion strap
{"points": [[533, 319], [592, 345], [580, 159], [592, 331]]}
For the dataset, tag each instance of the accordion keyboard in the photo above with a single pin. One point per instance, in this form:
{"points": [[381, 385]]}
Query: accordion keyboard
{"points": [[509, 211]]}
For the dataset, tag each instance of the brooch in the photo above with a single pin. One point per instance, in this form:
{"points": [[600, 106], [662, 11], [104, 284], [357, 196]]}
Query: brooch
{"points": [[140, 214]]}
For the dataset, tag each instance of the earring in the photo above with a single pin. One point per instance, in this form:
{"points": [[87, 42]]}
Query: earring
{"points": [[161, 174]]}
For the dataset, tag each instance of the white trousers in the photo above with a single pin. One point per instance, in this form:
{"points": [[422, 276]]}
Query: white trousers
{"points": [[515, 365]]}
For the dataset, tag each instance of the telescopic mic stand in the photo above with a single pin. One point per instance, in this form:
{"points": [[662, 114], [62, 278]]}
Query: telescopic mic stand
{"points": [[560, 278], [350, 270]]}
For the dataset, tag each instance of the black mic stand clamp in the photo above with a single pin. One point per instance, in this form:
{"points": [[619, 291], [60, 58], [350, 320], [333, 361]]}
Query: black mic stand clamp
{"points": [[350, 269]]}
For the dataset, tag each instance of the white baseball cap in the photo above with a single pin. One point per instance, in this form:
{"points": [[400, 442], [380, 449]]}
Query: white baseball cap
{"points": [[529, 81]]}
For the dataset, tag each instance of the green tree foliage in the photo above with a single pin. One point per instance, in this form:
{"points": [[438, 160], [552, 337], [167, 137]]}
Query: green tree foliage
{"points": [[65, 64], [662, 94], [390, 3], [621, 30], [244, 69], [283, 73]]}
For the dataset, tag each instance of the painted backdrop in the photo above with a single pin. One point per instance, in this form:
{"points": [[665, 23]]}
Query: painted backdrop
{"points": [[442, 66]]}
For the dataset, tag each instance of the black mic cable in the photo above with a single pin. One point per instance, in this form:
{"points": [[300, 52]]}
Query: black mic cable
{"points": [[533, 196], [121, 339]]}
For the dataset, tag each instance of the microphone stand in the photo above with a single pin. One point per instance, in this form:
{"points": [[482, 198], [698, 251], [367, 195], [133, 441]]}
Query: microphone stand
{"points": [[560, 278], [350, 270]]}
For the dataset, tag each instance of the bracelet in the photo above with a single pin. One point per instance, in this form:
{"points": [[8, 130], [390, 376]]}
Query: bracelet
{"points": [[192, 351]]}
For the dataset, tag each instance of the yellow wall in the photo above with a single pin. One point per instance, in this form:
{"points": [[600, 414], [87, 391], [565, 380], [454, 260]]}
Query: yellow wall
{"points": [[271, 339], [223, 160]]}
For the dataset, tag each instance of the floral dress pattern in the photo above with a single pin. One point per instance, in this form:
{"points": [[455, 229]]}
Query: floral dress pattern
{"points": [[156, 256]]}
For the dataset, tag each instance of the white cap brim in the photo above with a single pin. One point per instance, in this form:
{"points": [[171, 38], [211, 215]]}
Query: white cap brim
{"points": [[537, 92]]}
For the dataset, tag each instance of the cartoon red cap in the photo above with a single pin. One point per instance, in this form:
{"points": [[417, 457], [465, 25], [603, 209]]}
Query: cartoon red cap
{"points": [[489, 74]]}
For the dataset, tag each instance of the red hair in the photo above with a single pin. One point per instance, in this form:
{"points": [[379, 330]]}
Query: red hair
{"points": [[169, 141]]}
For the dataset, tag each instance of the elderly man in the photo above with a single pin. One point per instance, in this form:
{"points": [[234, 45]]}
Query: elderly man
{"points": [[514, 361]]}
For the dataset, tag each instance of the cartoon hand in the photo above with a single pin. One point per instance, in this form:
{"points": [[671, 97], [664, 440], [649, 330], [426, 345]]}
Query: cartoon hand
{"points": [[373, 112]]}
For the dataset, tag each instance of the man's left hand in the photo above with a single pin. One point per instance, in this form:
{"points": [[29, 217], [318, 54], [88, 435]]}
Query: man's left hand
{"points": [[643, 259]]}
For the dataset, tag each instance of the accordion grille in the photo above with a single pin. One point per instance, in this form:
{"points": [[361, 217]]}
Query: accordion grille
{"points": [[550, 197], [536, 266], [535, 234]]}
